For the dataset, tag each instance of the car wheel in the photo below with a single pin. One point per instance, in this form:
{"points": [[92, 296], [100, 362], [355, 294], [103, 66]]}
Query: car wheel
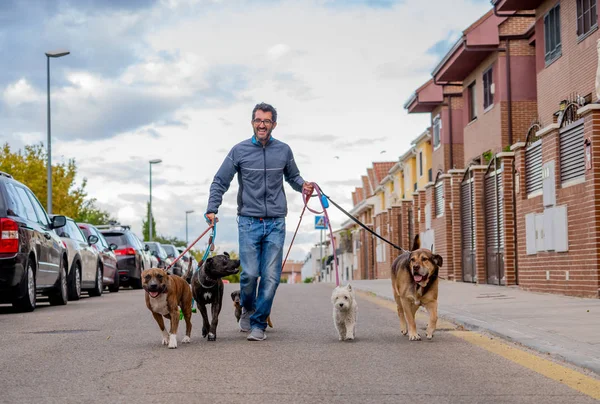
{"points": [[60, 296], [75, 282], [28, 299], [98, 286], [114, 288]]}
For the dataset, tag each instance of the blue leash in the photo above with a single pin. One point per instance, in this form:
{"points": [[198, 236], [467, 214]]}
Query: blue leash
{"points": [[211, 243]]}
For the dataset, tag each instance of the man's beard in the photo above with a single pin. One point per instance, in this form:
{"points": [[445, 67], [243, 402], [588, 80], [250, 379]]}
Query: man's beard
{"points": [[268, 135]]}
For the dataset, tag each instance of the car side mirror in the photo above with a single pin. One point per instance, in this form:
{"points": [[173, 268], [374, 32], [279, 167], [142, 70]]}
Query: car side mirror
{"points": [[58, 221], [92, 239], [113, 246], [146, 248]]}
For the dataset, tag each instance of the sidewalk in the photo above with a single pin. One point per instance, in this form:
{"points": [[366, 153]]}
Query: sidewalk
{"points": [[566, 327]]}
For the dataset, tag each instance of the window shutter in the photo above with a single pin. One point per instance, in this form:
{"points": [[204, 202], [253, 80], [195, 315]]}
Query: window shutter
{"points": [[533, 167], [439, 199], [572, 152]]}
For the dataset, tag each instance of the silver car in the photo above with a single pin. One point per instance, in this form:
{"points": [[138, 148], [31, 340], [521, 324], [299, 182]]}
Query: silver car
{"points": [[85, 269]]}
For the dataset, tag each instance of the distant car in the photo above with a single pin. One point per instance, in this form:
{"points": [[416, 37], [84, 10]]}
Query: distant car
{"points": [[130, 252], [189, 260], [33, 259], [180, 266], [107, 255], [85, 265], [159, 253]]}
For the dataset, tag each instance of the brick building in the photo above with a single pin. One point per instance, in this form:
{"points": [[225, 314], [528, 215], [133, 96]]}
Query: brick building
{"points": [[292, 271], [556, 165]]}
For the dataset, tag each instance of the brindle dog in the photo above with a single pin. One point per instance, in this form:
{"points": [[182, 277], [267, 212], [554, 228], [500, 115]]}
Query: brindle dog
{"points": [[207, 288], [164, 295], [415, 283]]}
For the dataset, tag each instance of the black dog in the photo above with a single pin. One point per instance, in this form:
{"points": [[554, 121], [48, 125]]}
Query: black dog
{"points": [[207, 288]]}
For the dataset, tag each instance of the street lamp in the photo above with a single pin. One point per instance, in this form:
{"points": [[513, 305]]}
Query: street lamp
{"points": [[187, 212], [52, 54], [155, 161]]}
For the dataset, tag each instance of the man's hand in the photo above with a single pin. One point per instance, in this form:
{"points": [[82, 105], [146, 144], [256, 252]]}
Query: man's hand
{"points": [[308, 188], [211, 219]]}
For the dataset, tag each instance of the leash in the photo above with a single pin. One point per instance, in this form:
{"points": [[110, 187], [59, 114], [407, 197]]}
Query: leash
{"points": [[324, 205], [323, 198], [211, 244]]}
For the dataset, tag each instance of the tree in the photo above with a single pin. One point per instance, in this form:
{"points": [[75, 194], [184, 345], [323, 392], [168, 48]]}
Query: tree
{"points": [[145, 229], [29, 167]]}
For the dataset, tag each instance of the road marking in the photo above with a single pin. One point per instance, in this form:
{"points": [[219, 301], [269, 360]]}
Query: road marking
{"points": [[569, 377], [575, 380]]}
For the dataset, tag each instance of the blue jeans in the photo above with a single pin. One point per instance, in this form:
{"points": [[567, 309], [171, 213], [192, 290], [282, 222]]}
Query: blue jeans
{"points": [[261, 255]]}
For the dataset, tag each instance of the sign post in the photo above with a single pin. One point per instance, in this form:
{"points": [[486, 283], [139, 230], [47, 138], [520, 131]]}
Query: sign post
{"points": [[321, 224]]}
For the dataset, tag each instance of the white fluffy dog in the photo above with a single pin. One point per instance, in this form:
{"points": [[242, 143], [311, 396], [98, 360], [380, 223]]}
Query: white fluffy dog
{"points": [[344, 311]]}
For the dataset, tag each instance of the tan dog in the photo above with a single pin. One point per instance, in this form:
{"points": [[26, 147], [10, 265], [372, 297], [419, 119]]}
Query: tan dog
{"points": [[237, 307], [164, 295], [415, 283]]}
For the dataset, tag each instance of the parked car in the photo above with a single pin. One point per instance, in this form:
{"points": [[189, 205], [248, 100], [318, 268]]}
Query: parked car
{"points": [[159, 253], [33, 259], [130, 252], [108, 258], [189, 261], [180, 266], [85, 266]]}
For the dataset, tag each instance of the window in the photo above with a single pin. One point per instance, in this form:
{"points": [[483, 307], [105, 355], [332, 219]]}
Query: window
{"points": [[587, 19], [15, 206], [437, 128], [488, 97], [42, 218], [74, 232], [29, 210], [552, 41], [472, 102], [420, 164]]}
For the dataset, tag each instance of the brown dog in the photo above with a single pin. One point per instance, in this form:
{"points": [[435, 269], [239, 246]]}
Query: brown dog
{"points": [[415, 283], [237, 307], [164, 295]]}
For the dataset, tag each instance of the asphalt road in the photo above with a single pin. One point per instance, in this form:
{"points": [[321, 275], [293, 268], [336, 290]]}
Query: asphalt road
{"points": [[108, 349]]}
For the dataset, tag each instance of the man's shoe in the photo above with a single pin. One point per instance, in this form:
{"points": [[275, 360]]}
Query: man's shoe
{"points": [[257, 335], [244, 322]]}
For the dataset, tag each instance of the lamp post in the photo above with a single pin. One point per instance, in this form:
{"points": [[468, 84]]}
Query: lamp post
{"points": [[155, 161], [187, 212], [51, 54]]}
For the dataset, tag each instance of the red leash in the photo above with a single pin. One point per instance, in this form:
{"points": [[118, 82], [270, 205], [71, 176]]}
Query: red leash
{"points": [[306, 199], [187, 249]]}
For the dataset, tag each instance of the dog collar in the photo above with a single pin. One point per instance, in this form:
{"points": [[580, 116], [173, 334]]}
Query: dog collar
{"points": [[206, 278]]}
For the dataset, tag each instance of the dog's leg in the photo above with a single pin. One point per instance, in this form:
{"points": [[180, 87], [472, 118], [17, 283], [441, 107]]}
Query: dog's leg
{"points": [[432, 310], [269, 322], [186, 308], [202, 308], [409, 310], [161, 325], [350, 325], [174, 325], [340, 325], [401, 316], [216, 309]]}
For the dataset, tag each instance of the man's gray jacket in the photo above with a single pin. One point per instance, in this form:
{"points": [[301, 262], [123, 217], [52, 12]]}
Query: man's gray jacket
{"points": [[260, 171]]}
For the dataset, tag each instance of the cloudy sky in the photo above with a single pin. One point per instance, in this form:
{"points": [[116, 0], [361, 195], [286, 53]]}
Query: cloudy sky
{"points": [[177, 80]]}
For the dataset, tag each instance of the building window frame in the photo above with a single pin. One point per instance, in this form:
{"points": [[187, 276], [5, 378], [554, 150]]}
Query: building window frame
{"points": [[552, 35], [420, 164], [587, 18], [488, 81], [471, 90]]}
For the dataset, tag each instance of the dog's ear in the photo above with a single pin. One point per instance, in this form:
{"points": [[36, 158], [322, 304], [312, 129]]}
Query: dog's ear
{"points": [[233, 296], [416, 243], [225, 253], [209, 262], [437, 260], [349, 287]]}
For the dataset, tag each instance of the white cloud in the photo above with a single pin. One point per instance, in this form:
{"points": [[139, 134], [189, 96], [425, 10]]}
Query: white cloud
{"points": [[337, 76]]}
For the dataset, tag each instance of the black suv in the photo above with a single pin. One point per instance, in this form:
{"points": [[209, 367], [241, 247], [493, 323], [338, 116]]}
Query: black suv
{"points": [[130, 253], [33, 259]]}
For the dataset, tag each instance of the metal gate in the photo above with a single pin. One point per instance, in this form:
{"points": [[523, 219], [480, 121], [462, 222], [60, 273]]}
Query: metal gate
{"points": [[494, 223], [411, 231], [467, 204]]}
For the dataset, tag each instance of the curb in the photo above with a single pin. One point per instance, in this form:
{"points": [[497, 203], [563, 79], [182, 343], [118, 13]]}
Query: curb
{"points": [[539, 347]]}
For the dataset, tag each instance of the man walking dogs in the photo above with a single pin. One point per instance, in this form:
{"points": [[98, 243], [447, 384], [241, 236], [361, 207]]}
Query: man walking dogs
{"points": [[261, 164]]}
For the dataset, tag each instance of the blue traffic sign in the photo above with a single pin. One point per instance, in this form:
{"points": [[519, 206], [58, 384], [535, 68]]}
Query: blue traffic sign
{"points": [[320, 223]]}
